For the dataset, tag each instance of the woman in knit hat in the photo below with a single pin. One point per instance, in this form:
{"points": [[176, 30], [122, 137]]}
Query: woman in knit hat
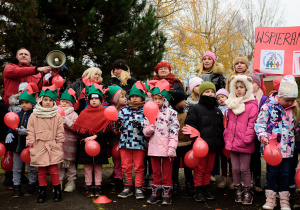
{"points": [[163, 71], [194, 84], [211, 71]]}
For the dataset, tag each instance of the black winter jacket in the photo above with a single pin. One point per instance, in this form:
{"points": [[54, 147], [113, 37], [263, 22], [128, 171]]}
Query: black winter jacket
{"points": [[116, 81]]}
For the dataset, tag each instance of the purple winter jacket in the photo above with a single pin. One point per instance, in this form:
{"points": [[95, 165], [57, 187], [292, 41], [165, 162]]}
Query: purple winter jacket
{"points": [[239, 134]]}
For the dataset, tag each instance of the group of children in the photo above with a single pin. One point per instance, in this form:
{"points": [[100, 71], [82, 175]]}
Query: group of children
{"points": [[240, 121]]}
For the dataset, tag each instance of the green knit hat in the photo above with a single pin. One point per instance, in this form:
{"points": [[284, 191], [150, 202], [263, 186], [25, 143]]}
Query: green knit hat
{"points": [[138, 89], [111, 92], [69, 94], [50, 91], [206, 85], [27, 97], [94, 89]]}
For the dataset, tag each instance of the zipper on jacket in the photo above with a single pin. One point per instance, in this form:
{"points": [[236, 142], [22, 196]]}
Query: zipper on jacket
{"points": [[19, 137]]}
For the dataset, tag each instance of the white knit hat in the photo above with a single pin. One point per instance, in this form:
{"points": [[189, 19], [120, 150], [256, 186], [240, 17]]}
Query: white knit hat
{"points": [[288, 87], [194, 81]]}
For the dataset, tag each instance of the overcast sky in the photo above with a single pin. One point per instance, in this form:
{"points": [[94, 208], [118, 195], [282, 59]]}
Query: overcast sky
{"points": [[292, 12]]}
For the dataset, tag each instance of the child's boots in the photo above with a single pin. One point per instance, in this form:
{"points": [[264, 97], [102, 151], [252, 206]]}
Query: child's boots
{"points": [[70, 186], [57, 193], [17, 191], [42, 195], [199, 197], [271, 200], [223, 183], [207, 192], [139, 193], [284, 200], [156, 194], [128, 191], [247, 196], [238, 194], [166, 196], [97, 190], [30, 189]]}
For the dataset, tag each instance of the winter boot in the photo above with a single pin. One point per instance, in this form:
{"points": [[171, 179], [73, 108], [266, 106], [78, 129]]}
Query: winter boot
{"points": [[207, 193], [17, 191], [223, 183], [199, 194], [70, 186], [189, 189], [284, 200], [30, 189], [89, 191], [156, 194], [139, 193], [128, 191], [238, 193], [57, 193], [42, 195], [97, 190], [230, 183], [175, 190], [271, 200], [166, 196], [119, 186], [247, 196]]}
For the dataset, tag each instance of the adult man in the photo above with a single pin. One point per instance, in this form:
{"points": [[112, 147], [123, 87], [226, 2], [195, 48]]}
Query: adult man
{"points": [[22, 71]]}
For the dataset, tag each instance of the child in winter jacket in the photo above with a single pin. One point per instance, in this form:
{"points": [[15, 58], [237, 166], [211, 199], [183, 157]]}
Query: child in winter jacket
{"points": [[18, 144], [45, 137], [178, 103], [67, 100], [239, 134], [133, 142], [194, 84], [14, 105], [208, 120], [276, 120], [162, 143], [92, 124]]}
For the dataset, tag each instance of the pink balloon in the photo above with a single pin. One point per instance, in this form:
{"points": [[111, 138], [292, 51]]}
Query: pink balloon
{"points": [[58, 81], [7, 161], [111, 113], [2, 150], [297, 178], [12, 120], [200, 148], [25, 155], [151, 111], [115, 151], [190, 160], [92, 148], [61, 111], [272, 155], [226, 153]]}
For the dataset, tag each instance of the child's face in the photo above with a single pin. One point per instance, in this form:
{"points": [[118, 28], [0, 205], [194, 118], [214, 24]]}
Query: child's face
{"points": [[196, 89], [122, 100], [95, 102], [158, 100], [240, 67], [47, 102], [255, 87], [181, 104], [286, 102], [240, 90], [135, 98], [209, 92], [26, 105], [221, 99], [64, 103]]}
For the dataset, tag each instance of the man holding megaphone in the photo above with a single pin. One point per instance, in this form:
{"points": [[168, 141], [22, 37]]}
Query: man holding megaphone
{"points": [[22, 71]]}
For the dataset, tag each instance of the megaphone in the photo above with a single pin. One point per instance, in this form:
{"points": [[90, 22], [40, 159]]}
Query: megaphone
{"points": [[56, 59]]}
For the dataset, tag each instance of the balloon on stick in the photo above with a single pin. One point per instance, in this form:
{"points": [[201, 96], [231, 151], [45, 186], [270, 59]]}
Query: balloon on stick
{"points": [[115, 151], [92, 148], [2, 150], [190, 160], [61, 111], [25, 155], [151, 111], [7, 161], [200, 148], [58, 81], [272, 154], [12, 120], [111, 113]]}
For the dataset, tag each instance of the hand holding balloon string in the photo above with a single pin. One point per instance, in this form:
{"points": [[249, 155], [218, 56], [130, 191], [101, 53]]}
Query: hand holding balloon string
{"points": [[90, 138]]}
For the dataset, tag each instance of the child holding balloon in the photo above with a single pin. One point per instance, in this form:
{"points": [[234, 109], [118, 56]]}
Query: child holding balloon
{"points": [[18, 144], [208, 120], [133, 142], [67, 101], [45, 137], [278, 120], [163, 133], [92, 124]]}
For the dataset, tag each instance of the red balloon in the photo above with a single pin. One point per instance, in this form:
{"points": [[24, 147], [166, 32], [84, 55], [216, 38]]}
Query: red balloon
{"points": [[2, 150], [111, 113], [92, 148], [297, 178], [61, 111], [226, 153], [190, 160], [25, 155], [12, 120], [151, 111], [7, 161], [115, 151], [200, 148], [272, 155], [58, 81]]}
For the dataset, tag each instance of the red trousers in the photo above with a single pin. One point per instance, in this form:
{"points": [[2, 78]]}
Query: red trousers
{"points": [[165, 166], [53, 173], [135, 156], [202, 171]]}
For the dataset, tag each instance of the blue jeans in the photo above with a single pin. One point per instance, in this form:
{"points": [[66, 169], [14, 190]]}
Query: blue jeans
{"points": [[294, 163], [282, 171]]}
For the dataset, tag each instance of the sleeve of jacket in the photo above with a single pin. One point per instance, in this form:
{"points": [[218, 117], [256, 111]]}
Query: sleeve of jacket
{"points": [[60, 132], [121, 117], [30, 138], [173, 127], [148, 132], [250, 132], [192, 118], [222, 82], [262, 121], [13, 71], [70, 122]]}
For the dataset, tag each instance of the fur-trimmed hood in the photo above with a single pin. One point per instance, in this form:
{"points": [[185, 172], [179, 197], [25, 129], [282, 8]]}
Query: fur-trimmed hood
{"points": [[217, 68], [237, 105], [14, 100]]}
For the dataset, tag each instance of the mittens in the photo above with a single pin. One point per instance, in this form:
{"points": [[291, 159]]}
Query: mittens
{"points": [[22, 131], [9, 138], [171, 152]]}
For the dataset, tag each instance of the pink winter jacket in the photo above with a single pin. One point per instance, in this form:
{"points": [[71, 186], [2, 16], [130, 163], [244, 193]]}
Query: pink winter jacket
{"points": [[239, 134]]}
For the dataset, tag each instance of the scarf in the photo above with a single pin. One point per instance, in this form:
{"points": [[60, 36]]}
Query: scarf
{"points": [[92, 120], [68, 110], [42, 112], [178, 110], [136, 105], [170, 78], [208, 102], [258, 95], [237, 105], [87, 82]]}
